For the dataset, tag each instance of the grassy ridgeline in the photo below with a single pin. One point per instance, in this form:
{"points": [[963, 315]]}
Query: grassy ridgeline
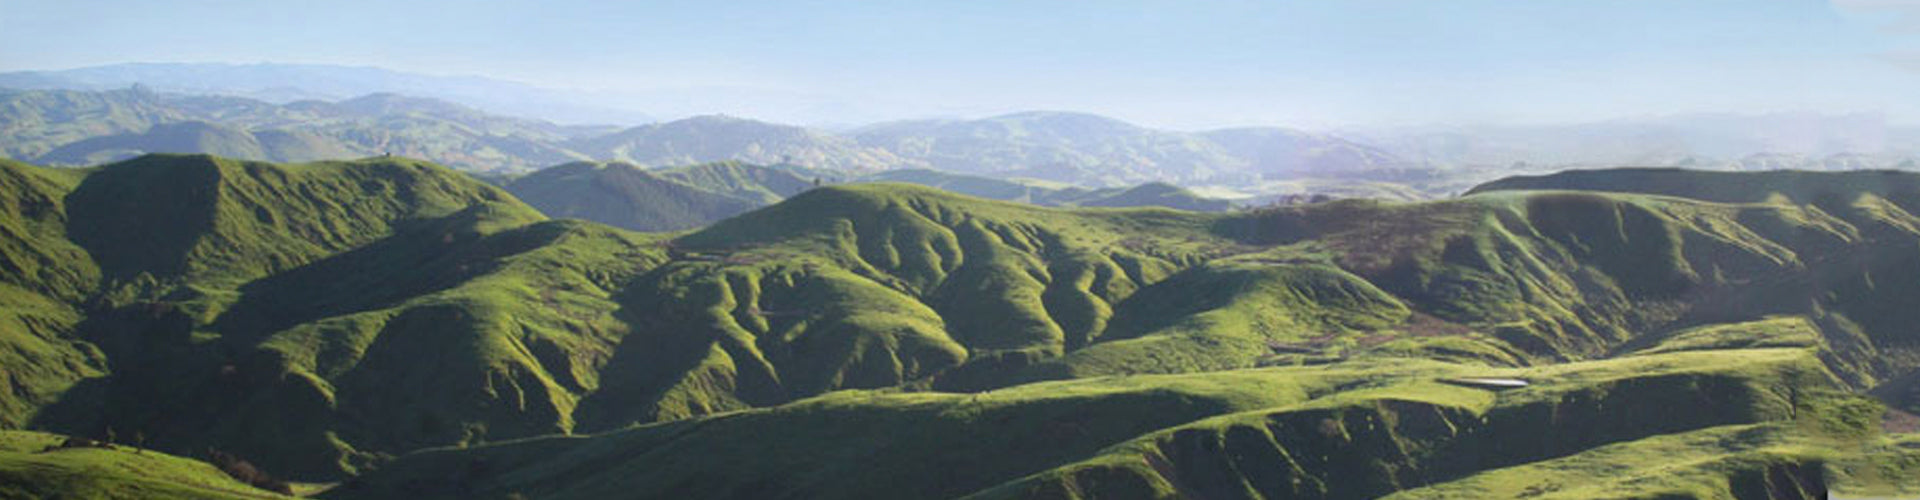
{"points": [[33, 465]]}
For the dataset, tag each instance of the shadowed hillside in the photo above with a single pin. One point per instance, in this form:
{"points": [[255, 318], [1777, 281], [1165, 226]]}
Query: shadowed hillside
{"points": [[626, 196]]}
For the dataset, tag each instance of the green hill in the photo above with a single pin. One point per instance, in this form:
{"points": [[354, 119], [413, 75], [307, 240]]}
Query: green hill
{"points": [[35, 465], [36, 122], [177, 137], [626, 196], [765, 185], [678, 198], [1351, 430], [1827, 190], [1152, 194], [406, 324]]}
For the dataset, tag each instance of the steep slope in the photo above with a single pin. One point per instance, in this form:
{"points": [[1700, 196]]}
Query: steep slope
{"points": [[267, 309], [41, 275], [1855, 267]]}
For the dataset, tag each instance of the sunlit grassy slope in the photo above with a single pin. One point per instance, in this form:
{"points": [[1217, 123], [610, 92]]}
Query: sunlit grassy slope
{"points": [[1350, 430], [29, 469], [322, 319]]}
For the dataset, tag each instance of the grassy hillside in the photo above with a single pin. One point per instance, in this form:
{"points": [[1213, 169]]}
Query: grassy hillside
{"points": [[1348, 430], [1154, 194], [1825, 189], [677, 198], [626, 196], [242, 305], [766, 184], [33, 465], [177, 137], [39, 121], [322, 319]]}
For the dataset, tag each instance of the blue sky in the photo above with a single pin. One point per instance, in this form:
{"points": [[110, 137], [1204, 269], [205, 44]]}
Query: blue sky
{"points": [[1194, 63]]}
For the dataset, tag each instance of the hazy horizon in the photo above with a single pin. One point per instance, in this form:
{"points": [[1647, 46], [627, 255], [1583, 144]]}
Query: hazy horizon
{"points": [[1182, 66]]}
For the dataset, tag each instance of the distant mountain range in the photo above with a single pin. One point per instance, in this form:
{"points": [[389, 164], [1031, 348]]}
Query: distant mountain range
{"points": [[1096, 150], [297, 113], [82, 128], [284, 83], [71, 127]]}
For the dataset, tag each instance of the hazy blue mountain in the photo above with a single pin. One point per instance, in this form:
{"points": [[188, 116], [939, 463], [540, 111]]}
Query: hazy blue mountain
{"points": [[719, 138], [281, 83], [82, 128], [1067, 147], [1700, 141], [173, 137], [1094, 150], [1274, 153]]}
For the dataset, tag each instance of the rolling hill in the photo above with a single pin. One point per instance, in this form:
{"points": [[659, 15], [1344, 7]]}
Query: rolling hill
{"points": [[413, 332], [1053, 194], [40, 465], [676, 198], [626, 196]]}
